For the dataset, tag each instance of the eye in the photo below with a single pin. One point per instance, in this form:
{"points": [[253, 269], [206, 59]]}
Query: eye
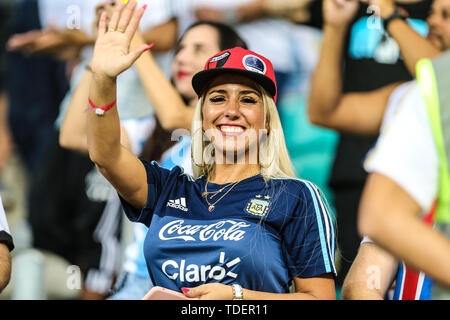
{"points": [[446, 14], [199, 49], [217, 99], [249, 100]]}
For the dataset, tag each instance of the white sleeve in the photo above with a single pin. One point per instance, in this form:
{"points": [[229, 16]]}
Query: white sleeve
{"points": [[366, 240], [5, 234], [3, 223], [406, 152]]}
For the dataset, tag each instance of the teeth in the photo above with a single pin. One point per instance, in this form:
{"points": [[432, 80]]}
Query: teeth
{"points": [[231, 129]]}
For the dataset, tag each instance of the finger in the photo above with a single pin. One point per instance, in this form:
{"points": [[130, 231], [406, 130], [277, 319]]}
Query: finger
{"points": [[126, 16], [134, 23], [102, 24], [116, 16], [134, 55], [195, 292]]}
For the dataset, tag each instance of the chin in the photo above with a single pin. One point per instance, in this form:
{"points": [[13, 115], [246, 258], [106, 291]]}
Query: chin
{"points": [[185, 89]]}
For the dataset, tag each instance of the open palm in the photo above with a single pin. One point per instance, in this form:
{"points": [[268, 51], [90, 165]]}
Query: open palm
{"points": [[112, 53]]}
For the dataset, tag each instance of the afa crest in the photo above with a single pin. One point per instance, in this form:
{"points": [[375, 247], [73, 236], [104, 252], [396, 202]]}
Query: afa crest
{"points": [[258, 206]]}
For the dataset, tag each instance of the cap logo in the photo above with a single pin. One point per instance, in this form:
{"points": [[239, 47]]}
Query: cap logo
{"points": [[254, 63], [219, 61]]}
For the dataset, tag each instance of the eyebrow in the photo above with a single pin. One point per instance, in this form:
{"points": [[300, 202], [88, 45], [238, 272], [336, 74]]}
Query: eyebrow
{"points": [[221, 91]]}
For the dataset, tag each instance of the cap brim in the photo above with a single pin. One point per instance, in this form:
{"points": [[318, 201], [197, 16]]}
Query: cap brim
{"points": [[203, 78]]}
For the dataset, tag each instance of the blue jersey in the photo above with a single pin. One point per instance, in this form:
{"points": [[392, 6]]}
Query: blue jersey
{"points": [[260, 235]]}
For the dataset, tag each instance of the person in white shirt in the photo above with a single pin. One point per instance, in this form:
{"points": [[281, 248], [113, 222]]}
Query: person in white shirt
{"points": [[6, 245], [365, 113]]}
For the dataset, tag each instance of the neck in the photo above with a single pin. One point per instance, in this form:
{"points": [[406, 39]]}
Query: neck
{"points": [[225, 173]]}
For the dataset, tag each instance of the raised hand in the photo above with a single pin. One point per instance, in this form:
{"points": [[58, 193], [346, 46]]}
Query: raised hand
{"points": [[112, 54], [339, 13]]}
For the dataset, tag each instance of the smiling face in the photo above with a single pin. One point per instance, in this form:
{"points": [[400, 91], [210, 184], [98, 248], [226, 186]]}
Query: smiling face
{"points": [[233, 115], [439, 23], [194, 49]]}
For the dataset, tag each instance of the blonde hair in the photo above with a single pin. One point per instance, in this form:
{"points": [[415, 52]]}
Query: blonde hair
{"points": [[273, 156]]}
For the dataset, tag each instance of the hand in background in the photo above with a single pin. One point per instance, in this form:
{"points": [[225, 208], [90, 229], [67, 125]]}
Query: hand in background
{"points": [[63, 44], [339, 13]]}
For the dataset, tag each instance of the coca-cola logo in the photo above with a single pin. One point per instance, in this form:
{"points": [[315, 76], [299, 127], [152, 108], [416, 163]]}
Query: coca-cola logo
{"points": [[225, 230]]}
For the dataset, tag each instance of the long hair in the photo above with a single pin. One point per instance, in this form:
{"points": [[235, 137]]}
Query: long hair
{"points": [[160, 141], [273, 156]]}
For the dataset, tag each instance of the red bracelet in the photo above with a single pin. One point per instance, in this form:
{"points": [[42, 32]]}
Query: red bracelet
{"points": [[101, 110]]}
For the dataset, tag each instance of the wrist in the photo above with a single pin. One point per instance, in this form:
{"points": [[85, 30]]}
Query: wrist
{"points": [[396, 14], [335, 29], [101, 79]]}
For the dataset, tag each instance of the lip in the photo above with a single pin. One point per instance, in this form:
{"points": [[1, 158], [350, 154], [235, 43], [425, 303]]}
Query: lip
{"points": [[182, 74], [231, 133]]}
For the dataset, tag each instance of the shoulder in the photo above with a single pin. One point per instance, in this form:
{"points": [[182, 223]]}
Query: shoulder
{"points": [[300, 189], [174, 171]]}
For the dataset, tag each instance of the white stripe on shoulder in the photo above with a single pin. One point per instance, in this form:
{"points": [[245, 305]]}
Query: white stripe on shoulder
{"points": [[329, 230]]}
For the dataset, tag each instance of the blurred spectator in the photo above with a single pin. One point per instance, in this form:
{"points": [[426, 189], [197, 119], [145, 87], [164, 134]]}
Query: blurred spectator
{"points": [[6, 143], [371, 60], [44, 80], [362, 113], [415, 177]]}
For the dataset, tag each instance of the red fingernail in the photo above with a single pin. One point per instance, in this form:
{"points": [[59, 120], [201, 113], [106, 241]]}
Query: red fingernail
{"points": [[185, 290], [149, 46], [144, 6]]}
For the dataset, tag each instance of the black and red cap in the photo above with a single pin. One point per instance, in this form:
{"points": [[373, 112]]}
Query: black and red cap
{"points": [[239, 61]]}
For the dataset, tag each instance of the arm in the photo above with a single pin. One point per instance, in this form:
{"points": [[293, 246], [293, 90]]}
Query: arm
{"points": [[370, 275], [111, 57], [163, 36], [73, 129], [295, 10], [360, 113], [389, 216], [5, 266], [169, 107], [413, 46], [63, 44], [5, 135], [318, 288]]}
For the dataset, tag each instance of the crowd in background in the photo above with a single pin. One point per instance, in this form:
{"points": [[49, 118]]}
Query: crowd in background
{"points": [[70, 215]]}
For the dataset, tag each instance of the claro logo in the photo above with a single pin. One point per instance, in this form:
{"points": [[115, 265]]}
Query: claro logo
{"points": [[226, 230], [195, 273]]}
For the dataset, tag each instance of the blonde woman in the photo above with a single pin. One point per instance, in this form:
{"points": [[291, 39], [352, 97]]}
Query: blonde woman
{"points": [[242, 227]]}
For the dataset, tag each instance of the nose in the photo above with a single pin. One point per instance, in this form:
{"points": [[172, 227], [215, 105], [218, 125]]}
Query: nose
{"points": [[183, 56], [232, 111]]}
